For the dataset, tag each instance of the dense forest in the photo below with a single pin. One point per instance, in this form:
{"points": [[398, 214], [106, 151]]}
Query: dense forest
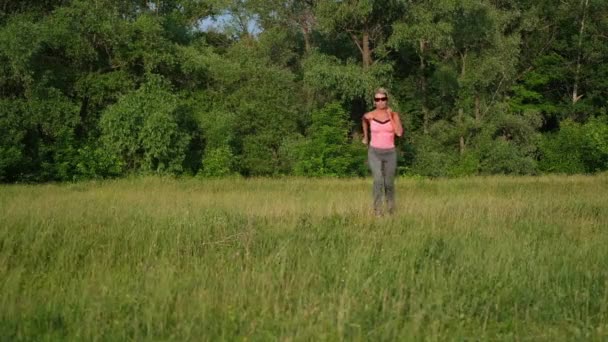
{"points": [[106, 88]]}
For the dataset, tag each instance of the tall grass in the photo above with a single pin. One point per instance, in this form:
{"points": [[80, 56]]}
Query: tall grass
{"points": [[494, 258]]}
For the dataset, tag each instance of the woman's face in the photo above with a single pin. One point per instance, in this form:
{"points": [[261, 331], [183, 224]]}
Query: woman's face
{"points": [[381, 101]]}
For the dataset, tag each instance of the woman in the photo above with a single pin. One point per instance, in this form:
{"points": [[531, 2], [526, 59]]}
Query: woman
{"points": [[382, 157]]}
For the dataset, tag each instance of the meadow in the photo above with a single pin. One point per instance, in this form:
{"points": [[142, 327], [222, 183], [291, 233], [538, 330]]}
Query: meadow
{"points": [[485, 258]]}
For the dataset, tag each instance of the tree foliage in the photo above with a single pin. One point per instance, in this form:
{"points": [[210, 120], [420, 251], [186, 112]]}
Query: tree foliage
{"points": [[106, 88], [327, 151], [147, 129]]}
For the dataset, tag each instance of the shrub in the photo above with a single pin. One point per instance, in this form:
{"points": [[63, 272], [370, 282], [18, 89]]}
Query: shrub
{"points": [[97, 162], [145, 131], [431, 159], [575, 148], [466, 165], [218, 162], [504, 157], [12, 134], [327, 150]]}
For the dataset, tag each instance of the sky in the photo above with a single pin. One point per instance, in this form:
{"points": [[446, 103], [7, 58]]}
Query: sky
{"points": [[223, 22]]}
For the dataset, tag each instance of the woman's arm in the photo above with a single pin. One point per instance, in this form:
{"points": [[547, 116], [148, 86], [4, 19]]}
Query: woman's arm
{"points": [[365, 125], [396, 122]]}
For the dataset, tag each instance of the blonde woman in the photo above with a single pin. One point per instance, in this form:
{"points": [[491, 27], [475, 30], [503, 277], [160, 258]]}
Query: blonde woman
{"points": [[384, 125]]}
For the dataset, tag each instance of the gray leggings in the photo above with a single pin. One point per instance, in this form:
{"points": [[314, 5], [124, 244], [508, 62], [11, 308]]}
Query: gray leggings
{"points": [[383, 163]]}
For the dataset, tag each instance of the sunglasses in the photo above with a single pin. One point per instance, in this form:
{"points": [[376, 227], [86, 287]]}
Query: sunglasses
{"points": [[378, 99]]}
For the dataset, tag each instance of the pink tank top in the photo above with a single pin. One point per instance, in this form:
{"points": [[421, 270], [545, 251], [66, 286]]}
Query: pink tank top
{"points": [[383, 134]]}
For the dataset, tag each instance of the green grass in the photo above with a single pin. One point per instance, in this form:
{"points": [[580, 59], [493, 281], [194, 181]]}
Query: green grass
{"points": [[496, 258]]}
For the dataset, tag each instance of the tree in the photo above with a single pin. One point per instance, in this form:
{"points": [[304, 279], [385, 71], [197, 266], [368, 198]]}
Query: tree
{"points": [[147, 130], [327, 150], [471, 78], [263, 98], [367, 23], [562, 49], [291, 15]]}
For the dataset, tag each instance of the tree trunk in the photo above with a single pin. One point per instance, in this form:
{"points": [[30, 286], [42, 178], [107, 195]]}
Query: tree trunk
{"points": [[307, 44], [461, 140], [305, 20], [463, 67], [575, 95], [366, 52]]}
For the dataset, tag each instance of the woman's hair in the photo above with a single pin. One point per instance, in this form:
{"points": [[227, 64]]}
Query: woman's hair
{"points": [[381, 91]]}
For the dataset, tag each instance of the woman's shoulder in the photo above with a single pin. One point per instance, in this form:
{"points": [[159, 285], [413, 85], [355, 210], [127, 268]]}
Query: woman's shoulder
{"points": [[368, 115]]}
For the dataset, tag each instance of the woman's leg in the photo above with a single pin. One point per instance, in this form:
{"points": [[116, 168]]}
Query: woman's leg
{"points": [[390, 168], [375, 165]]}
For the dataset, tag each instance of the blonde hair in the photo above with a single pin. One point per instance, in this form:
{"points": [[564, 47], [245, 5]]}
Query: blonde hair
{"points": [[381, 91]]}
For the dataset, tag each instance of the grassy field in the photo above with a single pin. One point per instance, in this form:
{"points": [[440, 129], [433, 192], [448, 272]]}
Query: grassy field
{"points": [[495, 258]]}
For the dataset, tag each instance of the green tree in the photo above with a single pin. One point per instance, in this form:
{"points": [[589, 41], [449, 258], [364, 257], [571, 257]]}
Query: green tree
{"points": [[265, 100], [327, 150], [147, 129], [296, 16], [475, 82], [576, 148], [562, 71], [367, 23]]}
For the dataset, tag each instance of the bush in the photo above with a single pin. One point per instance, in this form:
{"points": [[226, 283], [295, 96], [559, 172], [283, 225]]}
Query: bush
{"points": [[97, 162], [466, 165], [431, 159], [596, 135], [432, 163], [504, 157], [327, 150], [218, 162], [145, 130], [12, 134], [575, 148], [562, 151]]}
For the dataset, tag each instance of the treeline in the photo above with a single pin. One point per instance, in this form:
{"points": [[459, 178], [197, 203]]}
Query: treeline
{"points": [[104, 88]]}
